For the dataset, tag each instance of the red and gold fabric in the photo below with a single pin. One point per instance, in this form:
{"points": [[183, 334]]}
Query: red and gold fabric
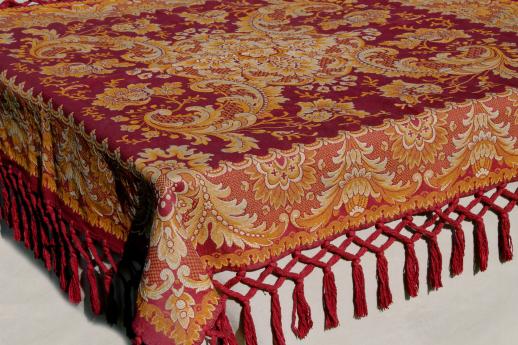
{"points": [[263, 127]]}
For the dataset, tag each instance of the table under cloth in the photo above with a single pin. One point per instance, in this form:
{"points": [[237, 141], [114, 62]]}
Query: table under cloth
{"points": [[231, 134]]}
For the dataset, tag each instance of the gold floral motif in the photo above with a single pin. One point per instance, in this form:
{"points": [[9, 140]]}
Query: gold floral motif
{"points": [[163, 323], [134, 94], [153, 160], [140, 26], [356, 179], [284, 178], [119, 98], [201, 124], [79, 69], [496, 13], [181, 306], [358, 19], [208, 17], [411, 40], [63, 160], [410, 93], [66, 12], [6, 38], [259, 58], [417, 141], [484, 142], [323, 110]]}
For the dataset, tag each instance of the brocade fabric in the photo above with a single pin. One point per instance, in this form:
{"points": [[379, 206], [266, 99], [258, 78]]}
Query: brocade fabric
{"points": [[263, 126]]}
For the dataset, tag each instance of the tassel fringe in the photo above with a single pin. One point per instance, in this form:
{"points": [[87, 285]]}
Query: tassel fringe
{"points": [[66, 249], [457, 252], [276, 320], [383, 292], [505, 243], [434, 264], [330, 295], [481, 245], [437, 219], [360, 302], [248, 325], [301, 311], [411, 272], [52, 237]]}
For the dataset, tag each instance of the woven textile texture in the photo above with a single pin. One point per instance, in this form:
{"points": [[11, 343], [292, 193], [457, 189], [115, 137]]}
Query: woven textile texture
{"points": [[19, 3], [218, 135]]}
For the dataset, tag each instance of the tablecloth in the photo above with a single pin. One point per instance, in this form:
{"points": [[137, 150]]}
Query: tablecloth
{"points": [[253, 129]]}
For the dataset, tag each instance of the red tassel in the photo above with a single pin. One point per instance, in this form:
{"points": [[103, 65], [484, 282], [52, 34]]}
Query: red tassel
{"points": [[457, 252], [329, 295], [248, 325], [137, 341], [6, 207], [94, 290], [74, 289], [505, 243], [62, 257], [360, 302], [36, 228], [411, 273], [481, 246], [47, 259], [302, 311], [224, 326], [14, 209], [24, 204], [384, 294], [45, 242], [276, 320], [434, 264]]}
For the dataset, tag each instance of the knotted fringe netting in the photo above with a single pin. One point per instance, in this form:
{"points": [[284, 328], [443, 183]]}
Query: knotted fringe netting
{"points": [[408, 230], [66, 247], [109, 276], [63, 243]]}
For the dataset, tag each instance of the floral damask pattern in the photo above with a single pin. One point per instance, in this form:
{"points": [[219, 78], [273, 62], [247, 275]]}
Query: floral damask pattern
{"points": [[497, 13], [66, 163], [263, 126]]}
